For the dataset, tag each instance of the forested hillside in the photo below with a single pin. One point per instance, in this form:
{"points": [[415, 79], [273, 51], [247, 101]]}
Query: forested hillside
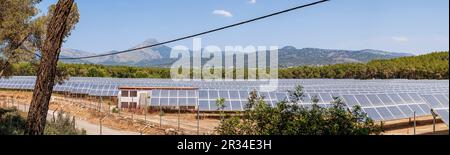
{"points": [[430, 66]]}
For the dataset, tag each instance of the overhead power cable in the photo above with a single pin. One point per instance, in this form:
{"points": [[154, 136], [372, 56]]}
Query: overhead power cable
{"points": [[199, 34]]}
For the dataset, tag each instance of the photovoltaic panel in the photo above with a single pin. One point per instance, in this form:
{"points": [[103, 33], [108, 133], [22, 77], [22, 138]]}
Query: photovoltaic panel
{"points": [[432, 101], [396, 112], [406, 110], [204, 106], [362, 99], [396, 99], [419, 111], [406, 98], [386, 100], [442, 99], [373, 114], [444, 114], [375, 100], [385, 113], [350, 100]]}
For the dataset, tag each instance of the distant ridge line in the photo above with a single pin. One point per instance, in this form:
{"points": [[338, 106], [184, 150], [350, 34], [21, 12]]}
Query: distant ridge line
{"points": [[201, 33]]}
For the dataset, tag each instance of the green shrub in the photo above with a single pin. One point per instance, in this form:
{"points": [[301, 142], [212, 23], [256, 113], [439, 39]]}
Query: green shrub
{"points": [[288, 118], [115, 110], [63, 124], [11, 123]]}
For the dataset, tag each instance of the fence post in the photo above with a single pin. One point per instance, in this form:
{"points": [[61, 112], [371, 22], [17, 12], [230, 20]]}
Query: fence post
{"points": [[179, 112], [434, 120], [101, 116], [198, 119], [415, 124], [145, 113], [12, 101], [434, 124], [160, 115]]}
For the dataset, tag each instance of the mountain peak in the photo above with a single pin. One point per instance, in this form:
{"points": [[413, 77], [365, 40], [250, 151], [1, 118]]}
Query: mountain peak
{"points": [[289, 48], [288, 56], [150, 41], [147, 42]]}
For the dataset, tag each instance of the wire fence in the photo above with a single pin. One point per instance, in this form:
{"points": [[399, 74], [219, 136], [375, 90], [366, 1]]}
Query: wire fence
{"points": [[170, 122], [181, 122]]}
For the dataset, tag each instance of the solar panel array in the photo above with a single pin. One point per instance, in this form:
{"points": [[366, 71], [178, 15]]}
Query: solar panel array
{"points": [[389, 106], [440, 105], [380, 99], [173, 98], [235, 100], [443, 113]]}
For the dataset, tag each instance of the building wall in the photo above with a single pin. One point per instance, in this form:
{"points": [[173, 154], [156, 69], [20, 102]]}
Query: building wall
{"points": [[132, 99]]}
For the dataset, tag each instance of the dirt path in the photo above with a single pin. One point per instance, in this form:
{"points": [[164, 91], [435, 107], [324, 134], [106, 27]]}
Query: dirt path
{"points": [[94, 129], [91, 129], [88, 116]]}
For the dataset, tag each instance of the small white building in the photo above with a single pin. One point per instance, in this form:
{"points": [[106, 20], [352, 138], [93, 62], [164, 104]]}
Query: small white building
{"points": [[138, 97], [132, 98]]}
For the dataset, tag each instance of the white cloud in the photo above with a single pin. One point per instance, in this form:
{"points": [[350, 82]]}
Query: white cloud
{"points": [[222, 13], [400, 39], [252, 1]]}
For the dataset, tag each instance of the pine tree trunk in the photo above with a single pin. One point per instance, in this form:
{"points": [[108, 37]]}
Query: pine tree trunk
{"points": [[47, 69]]}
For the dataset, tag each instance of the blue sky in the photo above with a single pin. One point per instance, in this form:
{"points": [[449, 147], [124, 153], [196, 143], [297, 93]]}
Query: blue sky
{"points": [[413, 26]]}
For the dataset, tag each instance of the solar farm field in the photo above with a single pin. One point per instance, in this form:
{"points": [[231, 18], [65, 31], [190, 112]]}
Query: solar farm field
{"points": [[382, 100]]}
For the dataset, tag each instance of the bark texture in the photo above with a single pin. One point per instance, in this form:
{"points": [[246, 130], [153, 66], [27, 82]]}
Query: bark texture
{"points": [[45, 81]]}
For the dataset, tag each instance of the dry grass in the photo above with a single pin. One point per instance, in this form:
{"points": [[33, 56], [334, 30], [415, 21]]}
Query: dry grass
{"points": [[424, 126]]}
